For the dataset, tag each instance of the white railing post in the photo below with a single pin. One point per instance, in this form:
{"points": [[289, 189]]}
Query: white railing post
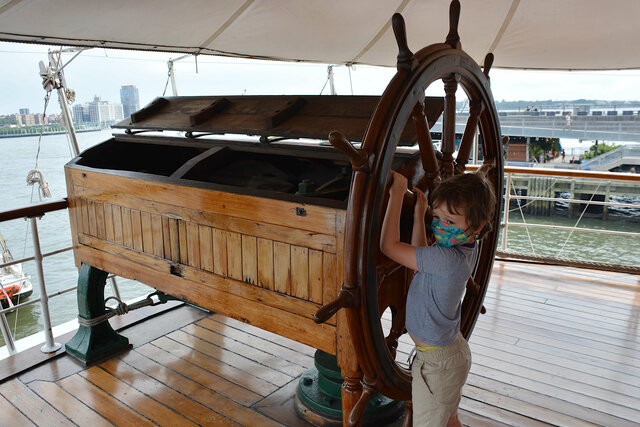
{"points": [[6, 334], [50, 346], [505, 220]]}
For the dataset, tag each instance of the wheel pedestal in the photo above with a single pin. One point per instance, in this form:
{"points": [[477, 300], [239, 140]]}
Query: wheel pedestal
{"points": [[93, 343], [318, 396]]}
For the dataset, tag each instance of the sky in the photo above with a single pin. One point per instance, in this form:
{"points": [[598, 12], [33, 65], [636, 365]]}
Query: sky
{"points": [[102, 72]]}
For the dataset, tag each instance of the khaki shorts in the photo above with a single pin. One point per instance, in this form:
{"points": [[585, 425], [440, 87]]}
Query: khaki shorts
{"points": [[438, 377]]}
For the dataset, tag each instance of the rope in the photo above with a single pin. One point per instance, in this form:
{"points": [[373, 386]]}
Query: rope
{"points": [[579, 219], [35, 175], [123, 308], [523, 220]]}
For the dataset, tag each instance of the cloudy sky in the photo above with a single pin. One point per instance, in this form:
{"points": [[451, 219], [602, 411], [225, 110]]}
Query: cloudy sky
{"points": [[102, 72]]}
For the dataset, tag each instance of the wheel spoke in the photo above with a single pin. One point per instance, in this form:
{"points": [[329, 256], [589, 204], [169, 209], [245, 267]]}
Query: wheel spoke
{"points": [[449, 124], [427, 153], [475, 108]]}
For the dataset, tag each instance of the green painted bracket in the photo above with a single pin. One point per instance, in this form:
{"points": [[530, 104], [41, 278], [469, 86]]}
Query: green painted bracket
{"points": [[93, 343]]}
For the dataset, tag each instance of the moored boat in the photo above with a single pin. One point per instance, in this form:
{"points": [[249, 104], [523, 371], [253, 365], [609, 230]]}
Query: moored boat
{"points": [[15, 284]]}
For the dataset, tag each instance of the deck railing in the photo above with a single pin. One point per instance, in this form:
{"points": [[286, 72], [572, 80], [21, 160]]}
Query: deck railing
{"points": [[511, 194]]}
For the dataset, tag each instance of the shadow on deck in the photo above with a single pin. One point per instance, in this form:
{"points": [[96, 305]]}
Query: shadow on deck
{"points": [[558, 346]]}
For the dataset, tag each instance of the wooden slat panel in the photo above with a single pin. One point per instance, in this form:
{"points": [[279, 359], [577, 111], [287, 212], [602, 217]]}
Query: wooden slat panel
{"points": [[184, 248], [84, 207], [318, 219], [108, 222], [249, 260], [127, 234], [282, 267], [33, 406], [234, 255], [136, 230], [265, 263], [68, 404], [117, 224], [147, 232], [315, 276], [206, 248], [329, 278], [166, 238], [158, 238], [100, 228], [174, 240], [285, 232], [220, 252], [300, 272], [193, 245], [93, 226]]}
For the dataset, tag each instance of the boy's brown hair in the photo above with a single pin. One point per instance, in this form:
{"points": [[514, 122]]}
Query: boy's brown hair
{"points": [[468, 194]]}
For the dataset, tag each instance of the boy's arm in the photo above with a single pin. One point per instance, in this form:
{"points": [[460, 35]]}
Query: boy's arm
{"points": [[419, 233], [390, 243]]}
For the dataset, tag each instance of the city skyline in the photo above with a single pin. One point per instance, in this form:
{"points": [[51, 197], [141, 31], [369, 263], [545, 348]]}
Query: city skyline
{"points": [[106, 71]]}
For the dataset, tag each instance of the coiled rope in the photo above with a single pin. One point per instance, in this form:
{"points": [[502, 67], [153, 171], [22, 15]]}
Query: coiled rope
{"points": [[123, 308]]}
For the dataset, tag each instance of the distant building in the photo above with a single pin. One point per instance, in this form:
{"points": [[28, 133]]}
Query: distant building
{"points": [[130, 99], [98, 112], [24, 111], [81, 113]]}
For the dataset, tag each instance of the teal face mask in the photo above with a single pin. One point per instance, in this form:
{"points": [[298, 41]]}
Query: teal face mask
{"points": [[447, 235]]}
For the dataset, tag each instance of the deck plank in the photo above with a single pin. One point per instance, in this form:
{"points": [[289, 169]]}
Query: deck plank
{"points": [[143, 404], [216, 366], [161, 364], [38, 410], [68, 404], [112, 409], [12, 415], [188, 408]]}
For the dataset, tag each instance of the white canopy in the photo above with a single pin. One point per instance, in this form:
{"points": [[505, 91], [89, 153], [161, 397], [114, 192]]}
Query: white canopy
{"points": [[531, 34]]}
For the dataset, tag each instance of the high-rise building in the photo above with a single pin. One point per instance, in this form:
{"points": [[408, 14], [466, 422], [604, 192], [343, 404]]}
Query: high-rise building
{"points": [[24, 111], [130, 99], [98, 112]]}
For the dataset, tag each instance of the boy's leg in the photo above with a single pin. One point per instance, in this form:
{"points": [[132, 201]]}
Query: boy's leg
{"points": [[438, 377], [454, 421]]}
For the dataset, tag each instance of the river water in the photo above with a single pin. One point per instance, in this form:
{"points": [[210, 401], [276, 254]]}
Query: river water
{"points": [[18, 157]]}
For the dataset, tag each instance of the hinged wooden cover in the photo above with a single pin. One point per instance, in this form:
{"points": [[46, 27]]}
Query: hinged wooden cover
{"points": [[292, 116]]}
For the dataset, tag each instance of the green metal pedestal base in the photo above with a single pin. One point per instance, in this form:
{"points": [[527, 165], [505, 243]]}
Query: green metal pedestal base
{"points": [[93, 343], [318, 396]]}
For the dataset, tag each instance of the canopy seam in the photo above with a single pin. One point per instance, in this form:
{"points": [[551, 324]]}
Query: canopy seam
{"points": [[505, 24]]}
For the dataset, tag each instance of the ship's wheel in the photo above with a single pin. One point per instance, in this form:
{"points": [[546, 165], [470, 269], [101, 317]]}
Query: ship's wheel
{"points": [[372, 283]]}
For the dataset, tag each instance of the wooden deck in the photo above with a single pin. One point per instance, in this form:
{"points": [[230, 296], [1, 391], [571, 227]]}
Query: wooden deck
{"points": [[558, 346]]}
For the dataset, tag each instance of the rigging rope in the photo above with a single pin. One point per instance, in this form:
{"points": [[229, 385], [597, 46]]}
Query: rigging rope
{"points": [[579, 219], [523, 220], [35, 175]]}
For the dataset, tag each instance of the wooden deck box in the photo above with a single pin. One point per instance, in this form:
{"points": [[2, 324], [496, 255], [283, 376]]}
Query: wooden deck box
{"points": [[253, 230]]}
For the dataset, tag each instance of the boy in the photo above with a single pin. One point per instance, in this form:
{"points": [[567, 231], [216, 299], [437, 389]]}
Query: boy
{"points": [[462, 208]]}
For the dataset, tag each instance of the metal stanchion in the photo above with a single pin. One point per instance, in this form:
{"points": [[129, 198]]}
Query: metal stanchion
{"points": [[50, 346]]}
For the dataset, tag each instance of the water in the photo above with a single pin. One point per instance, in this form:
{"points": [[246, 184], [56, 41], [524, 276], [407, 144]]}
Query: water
{"points": [[18, 158], [576, 245], [18, 155]]}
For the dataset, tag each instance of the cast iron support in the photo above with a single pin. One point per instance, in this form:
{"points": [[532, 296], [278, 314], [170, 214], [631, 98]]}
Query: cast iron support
{"points": [[93, 343]]}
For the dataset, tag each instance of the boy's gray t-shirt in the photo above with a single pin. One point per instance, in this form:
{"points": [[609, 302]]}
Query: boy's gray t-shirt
{"points": [[434, 300]]}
